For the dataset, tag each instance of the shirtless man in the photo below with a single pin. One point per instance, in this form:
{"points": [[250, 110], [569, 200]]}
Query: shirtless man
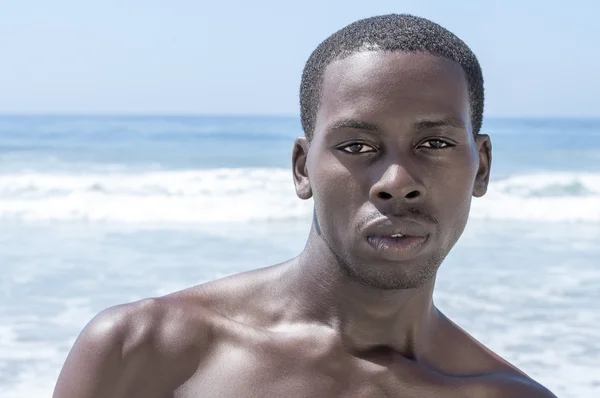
{"points": [[391, 107]]}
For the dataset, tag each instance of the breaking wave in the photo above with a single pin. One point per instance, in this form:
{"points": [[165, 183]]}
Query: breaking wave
{"points": [[255, 194]]}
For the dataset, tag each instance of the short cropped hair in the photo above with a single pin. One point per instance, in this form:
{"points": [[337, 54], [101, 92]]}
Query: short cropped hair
{"points": [[394, 32]]}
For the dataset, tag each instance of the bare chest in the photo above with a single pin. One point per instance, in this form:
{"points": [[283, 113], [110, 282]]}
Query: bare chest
{"points": [[241, 372]]}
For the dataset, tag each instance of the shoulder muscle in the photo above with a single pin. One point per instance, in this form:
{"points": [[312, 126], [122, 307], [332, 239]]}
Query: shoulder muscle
{"points": [[125, 347], [516, 386]]}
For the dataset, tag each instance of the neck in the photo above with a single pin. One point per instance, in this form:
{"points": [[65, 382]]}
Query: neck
{"points": [[366, 318]]}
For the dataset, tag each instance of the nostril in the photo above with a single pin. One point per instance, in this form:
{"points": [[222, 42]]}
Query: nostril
{"points": [[412, 195], [384, 195]]}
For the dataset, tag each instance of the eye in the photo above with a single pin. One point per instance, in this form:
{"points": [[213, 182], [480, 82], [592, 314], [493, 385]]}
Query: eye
{"points": [[436, 144], [357, 147]]}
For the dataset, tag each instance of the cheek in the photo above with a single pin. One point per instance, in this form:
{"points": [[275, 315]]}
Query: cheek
{"points": [[326, 175], [458, 192], [453, 182], [336, 192], [453, 201], [332, 190]]}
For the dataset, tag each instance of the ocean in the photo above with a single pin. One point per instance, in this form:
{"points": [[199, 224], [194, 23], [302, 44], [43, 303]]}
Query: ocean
{"points": [[101, 210]]}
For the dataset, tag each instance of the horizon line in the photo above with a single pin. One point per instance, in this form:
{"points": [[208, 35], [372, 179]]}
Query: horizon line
{"points": [[255, 115]]}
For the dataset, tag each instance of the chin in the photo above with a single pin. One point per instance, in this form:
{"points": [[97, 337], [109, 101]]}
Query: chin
{"points": [[394, 276]]}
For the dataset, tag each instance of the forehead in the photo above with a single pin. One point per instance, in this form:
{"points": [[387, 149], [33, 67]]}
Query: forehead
{"points": [[393, 87]]}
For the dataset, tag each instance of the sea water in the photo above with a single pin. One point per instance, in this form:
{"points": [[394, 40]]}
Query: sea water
{"points": [[97, 211]]}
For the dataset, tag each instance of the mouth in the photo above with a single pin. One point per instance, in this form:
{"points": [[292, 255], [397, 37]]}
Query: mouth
{"points": [[397, 247]]}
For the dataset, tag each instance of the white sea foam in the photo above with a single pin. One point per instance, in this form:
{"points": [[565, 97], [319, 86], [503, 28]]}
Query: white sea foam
{"points": [[542, 197], [252, 194]]}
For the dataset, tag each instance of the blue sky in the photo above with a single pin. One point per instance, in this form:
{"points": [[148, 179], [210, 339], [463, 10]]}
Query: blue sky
{"points": [[540, 58]]}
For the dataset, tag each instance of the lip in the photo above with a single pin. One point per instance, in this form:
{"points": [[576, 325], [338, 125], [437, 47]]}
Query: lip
{"points": [[397, 249], [415, 236], [404, 226]]}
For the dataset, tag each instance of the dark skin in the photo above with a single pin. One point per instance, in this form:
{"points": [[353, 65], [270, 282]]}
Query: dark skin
{"points": [[393, 151]]}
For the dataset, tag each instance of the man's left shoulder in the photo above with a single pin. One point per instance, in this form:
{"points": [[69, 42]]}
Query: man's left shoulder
{"points": [[510, 386], [491, 375]]}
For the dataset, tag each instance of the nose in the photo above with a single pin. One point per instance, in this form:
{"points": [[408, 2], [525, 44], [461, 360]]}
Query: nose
{"points": [[397, 185]]}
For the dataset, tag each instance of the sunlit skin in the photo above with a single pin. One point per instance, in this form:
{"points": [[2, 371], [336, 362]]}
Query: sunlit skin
{"points": [[387, 145], [393, 151]]}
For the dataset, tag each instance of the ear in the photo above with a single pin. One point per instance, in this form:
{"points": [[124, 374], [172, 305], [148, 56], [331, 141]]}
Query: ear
{"points": [[484, 149], [299, 169]]}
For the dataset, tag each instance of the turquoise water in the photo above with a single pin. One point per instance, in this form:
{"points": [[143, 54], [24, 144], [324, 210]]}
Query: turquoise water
{"points": [[96, 211]]}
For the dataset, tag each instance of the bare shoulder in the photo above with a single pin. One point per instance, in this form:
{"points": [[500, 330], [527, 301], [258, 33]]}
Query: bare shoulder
{"points": [[161, 339], [485, 373], [508, 385], [169, 325]]}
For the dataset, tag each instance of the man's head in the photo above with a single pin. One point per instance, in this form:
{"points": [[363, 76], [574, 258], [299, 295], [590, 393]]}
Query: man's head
{"points": [[391, 148]]}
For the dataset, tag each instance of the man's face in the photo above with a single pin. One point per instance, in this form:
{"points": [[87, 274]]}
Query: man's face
{"points": [[393, 153]]}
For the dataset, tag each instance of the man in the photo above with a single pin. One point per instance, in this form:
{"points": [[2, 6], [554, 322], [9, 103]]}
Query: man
{"points": [[391, 107]]}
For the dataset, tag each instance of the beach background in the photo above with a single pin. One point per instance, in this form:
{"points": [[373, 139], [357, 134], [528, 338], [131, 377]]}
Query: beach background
{"points": [[101, 210]]}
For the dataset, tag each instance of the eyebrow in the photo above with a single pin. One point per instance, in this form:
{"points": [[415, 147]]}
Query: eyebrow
{"points": [[422, 124], [449, 121], [352, 124]]}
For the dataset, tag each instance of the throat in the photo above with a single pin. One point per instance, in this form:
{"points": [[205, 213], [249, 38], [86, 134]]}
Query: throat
{"points": [[368, 321]]}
